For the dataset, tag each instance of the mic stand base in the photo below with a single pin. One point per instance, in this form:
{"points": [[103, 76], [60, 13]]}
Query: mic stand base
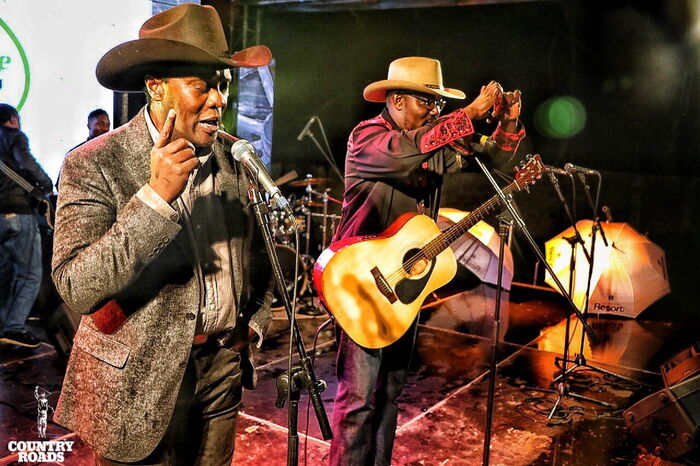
{"points": [[580, 361], [562, 391]]}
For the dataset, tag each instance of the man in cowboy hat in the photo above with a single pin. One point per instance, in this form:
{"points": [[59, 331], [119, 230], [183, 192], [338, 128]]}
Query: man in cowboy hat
{"points": [[394, 164], [156, 246]]}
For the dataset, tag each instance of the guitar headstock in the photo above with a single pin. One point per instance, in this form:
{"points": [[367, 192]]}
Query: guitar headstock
{"points": [[530, 171]]}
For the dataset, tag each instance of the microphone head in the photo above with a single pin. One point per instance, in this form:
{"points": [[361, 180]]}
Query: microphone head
{"points": [[240, 149]]}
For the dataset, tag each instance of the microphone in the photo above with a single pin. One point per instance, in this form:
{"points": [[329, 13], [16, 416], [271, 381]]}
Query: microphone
{"points": [[608, 214], [556, 171], [571, 168], [244, 152], [305, 131]]}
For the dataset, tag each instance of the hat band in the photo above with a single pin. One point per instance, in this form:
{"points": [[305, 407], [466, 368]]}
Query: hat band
{"points": [[434, 86]]}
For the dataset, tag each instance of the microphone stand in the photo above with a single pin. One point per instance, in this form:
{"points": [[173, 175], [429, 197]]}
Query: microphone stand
{"points": [[509, 204], [505, 225], [327, 155], [580, 359], [290, 384], [562, 362]]}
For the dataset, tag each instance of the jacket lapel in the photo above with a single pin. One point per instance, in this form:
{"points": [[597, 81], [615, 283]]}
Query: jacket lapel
{"points": [[138, 144]]}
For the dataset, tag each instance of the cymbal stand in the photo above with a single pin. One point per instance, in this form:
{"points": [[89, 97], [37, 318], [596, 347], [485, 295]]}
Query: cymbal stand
{"points": [[324, 227], [324, 217], [306, 210]]}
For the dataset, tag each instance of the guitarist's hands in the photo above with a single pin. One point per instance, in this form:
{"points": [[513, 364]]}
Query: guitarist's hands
{"points": [[479, 108], [509, 110]]}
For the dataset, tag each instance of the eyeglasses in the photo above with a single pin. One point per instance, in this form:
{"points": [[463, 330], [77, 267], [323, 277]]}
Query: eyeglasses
{"points": [[429, 102]]}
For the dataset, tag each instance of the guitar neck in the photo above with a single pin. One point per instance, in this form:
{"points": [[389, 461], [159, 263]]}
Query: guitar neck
{"points": [[443, 241]]}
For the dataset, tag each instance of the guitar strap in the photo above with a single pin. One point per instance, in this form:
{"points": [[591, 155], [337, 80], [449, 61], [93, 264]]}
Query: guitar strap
{"points": [[14, 176], [431, 203], [31, 190]]}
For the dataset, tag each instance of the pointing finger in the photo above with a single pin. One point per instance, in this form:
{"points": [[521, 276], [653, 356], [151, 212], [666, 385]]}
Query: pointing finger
{"points": [[167, 131]]}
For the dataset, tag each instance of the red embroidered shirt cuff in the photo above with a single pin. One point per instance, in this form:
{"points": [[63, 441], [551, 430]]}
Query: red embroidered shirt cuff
{"points": [[454, 126], [507, 141]]}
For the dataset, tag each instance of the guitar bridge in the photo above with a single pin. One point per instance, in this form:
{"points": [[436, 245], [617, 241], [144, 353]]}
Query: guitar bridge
{"points": [[383, 285]]}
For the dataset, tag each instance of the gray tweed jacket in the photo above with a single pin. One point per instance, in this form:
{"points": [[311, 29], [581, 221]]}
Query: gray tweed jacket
{"points": [[110, 248]]}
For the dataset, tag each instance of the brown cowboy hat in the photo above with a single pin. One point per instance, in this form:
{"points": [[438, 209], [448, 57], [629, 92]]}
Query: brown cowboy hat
{"points": [[181, 37], [418, 74]]}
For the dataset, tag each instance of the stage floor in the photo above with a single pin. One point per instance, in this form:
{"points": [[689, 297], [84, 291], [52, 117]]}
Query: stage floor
{"points": [[443, 406]]}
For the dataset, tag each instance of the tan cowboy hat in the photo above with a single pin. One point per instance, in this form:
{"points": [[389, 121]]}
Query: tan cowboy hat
{"points": [[187, 35], [417, 74]]}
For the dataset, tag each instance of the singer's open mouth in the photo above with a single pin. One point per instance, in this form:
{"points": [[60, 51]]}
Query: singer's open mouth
{"points": [[210, 126]]}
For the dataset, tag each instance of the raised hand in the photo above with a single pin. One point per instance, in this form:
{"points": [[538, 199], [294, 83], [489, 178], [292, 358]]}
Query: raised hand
{"points": [[171, 162], [480, 106], [511, 105]]}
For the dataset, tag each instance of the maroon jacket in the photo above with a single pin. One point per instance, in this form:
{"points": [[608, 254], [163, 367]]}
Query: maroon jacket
{"points": [[389, 172]]}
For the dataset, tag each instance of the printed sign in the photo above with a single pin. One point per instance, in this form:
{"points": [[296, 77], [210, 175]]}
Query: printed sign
{"points": [[14, 68]]}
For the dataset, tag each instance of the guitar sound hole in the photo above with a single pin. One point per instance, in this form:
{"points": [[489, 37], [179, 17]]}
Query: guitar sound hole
{"points": [[414, 263]]}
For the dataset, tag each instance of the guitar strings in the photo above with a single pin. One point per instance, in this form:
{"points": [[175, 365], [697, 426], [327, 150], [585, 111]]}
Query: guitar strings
{"points": [[442, 241]]}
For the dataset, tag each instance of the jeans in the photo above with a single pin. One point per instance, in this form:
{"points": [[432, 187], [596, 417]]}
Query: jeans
{"points": [[202, 428], [365, 410], [20, 269]]}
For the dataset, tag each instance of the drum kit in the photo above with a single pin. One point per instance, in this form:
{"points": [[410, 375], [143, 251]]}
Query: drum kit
{"points": [[315, 224]]}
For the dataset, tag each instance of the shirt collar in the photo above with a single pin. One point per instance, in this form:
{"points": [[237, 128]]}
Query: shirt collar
{"points": [[153, 131], [385, 114]]}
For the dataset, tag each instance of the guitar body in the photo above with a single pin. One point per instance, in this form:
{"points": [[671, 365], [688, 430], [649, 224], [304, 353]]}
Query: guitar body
{"points": [[375, 285], [346, 279]]}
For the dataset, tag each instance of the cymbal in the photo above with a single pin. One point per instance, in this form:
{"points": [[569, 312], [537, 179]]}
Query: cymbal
{"points": [[309, 181]]}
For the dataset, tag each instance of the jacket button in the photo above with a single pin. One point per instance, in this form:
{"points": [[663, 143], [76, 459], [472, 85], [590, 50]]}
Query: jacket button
{"points": [[190, 316]]}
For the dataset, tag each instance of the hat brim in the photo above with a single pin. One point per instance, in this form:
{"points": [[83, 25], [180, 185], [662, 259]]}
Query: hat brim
{"points": [[124, 67], [376, 92]]}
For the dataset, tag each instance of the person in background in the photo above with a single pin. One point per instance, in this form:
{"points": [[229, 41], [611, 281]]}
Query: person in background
{"points": [[98, 123], [20, 242], [394, 164]]}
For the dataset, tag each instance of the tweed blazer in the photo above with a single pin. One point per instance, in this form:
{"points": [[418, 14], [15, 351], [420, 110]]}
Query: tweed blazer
{"points": [[110, 248]]}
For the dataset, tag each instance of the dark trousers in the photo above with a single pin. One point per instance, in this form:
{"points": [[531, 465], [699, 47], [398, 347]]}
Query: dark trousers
{"points": [[365, 410], [20, 269], [202, 428]]}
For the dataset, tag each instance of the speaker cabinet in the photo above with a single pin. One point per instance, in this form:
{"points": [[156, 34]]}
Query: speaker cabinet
{"points": [[666, 422], [682, 365]]}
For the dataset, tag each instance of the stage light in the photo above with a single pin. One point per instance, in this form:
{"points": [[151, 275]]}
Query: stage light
{"points": [[560, 117]]}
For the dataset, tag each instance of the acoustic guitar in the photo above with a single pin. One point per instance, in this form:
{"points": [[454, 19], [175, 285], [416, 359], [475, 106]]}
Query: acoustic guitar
{"points": [[375, 285]]}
